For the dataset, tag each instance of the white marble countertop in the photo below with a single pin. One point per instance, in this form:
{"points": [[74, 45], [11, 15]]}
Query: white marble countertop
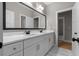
{"points": [[20, 37]]}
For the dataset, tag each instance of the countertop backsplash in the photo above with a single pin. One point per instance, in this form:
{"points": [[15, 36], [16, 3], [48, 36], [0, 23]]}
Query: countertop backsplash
{"points": [[16, 32]]}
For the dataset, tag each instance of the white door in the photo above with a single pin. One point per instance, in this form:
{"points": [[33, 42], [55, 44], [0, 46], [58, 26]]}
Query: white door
{"points": [[1, 36], [75, 28]]}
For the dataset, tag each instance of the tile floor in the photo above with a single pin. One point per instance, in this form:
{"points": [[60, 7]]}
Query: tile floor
{"points": [[59, 52]]}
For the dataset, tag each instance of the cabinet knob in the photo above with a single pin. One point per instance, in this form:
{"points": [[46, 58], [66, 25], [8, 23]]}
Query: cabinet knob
{"points": [[14, 48]]}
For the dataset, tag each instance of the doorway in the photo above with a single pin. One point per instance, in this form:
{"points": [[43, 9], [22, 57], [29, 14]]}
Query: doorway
{"points": [[61, 27], [65, 29]]}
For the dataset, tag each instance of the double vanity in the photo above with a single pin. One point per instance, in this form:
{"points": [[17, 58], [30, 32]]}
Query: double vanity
{"points": [[19, 16], [35, 44]]}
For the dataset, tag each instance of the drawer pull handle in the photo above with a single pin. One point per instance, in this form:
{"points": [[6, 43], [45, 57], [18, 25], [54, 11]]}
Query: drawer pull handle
{"points": [[14, 48], [49, 40]]}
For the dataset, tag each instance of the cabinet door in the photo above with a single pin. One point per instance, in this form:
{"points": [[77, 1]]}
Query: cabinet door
{"points": [[12, 48], [30, 51], [18, 54], [51, 40], [42, 46]]}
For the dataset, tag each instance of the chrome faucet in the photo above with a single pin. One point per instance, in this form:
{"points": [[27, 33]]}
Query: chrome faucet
{"points": [[27, 31], [41, 31]]}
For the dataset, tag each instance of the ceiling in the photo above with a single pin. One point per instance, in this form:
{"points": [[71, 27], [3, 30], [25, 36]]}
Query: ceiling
{"points": [[47, 3]]}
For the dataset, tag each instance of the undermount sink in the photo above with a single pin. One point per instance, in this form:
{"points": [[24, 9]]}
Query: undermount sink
{"points": [[34, 33], [30, 34]]}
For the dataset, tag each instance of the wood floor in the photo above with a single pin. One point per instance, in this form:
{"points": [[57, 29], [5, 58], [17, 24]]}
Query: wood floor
{"points": [[65, 45]]}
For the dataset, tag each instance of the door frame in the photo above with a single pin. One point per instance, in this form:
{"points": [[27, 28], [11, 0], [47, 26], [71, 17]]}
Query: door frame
{"points": [[59, 11]]}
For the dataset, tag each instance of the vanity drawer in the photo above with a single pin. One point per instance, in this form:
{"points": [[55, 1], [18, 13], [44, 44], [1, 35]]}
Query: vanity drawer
{"points": [[18, 54], [12, 48]]}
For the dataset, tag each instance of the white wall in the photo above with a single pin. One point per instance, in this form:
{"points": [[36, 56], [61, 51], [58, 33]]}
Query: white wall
{"points": [[75, 20], [51, 13], [75, 28]]}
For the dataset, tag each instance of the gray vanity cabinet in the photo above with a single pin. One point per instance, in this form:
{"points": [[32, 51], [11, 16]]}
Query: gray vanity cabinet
{"points": [[34, 46], [39, 46]]}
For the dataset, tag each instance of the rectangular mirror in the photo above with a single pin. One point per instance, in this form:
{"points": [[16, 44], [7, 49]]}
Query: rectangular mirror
{"points": [[20, 16]]}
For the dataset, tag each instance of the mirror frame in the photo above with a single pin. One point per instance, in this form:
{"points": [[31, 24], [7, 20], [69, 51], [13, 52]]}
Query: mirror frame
{"points": [[4, 19]]}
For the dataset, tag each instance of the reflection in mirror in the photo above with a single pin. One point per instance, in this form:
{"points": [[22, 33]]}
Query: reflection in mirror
{"points": [[21, 16], [36, 22], [10, 23], [26, 22]]}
